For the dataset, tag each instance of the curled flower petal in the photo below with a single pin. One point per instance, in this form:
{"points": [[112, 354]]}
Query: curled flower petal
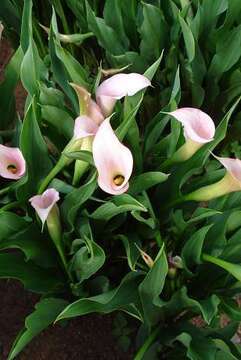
{"points": [[87, 105], [94, 112], [198, 126], [233, 167], [44, 203], [84, 126], [118, 86], [112, 159], [12, 163]]}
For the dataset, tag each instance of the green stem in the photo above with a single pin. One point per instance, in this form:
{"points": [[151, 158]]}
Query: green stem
{"points": [[141, 352], [56, 169], [5, 190]]}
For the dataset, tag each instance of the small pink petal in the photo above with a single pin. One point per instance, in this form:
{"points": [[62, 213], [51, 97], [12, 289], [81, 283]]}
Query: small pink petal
{"points": [[44, 203], [198, 126], [84, 126], [113, 160], [233, 166], [118, 86], [12, 163]]}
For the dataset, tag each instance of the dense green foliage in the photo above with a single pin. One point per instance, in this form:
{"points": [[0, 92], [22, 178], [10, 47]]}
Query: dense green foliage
{"points": [[191, 50]]}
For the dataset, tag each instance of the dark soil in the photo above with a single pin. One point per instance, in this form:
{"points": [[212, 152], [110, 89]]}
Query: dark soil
{"points": [[89, 337]]}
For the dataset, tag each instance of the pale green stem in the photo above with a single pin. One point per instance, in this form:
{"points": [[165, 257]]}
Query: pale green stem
{"points": [[146, 345], [55, 232]]}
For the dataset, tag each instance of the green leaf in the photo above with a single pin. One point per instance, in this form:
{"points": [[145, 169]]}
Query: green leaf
{"points": [[106, 36], [151, 287], [192, 250], [59, 118], [7, 87], [34, 278], [44, 315], [74, 200], [19, 234], [153, 32], [35, 152], [233, 269], [114, 18], [119, 204], [87, 260], [83, 155], [145, 181], [107, 302], [188, 39]]}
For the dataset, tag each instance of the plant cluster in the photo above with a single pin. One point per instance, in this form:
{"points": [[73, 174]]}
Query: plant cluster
{"points": [[115, 195]]}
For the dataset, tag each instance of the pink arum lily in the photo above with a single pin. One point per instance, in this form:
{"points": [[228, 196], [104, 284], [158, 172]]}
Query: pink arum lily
{"points": [[12, 163], [43, 204], [231, 182], [199, 129], [46, 207], [113, 160], [117, 87]]}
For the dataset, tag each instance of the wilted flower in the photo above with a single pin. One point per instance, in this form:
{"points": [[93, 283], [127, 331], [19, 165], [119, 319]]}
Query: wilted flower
{"points": [[113, 160], [12, 163], [199, 129], [44, 203], [118, 86]]}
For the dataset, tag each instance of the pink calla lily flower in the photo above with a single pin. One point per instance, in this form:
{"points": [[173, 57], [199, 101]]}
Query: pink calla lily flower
{"points": [[44, 203], [113, 160], [198, 126], [84, 126], [118, 86], [12, 163]]}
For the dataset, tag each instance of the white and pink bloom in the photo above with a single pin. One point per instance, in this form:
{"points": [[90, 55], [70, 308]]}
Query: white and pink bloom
{"points": [[12, 163], [113, 160], [198, 126], [117, 87], [198, 129], [44, 203]]}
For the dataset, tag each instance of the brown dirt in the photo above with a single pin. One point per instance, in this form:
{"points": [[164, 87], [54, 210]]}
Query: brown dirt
{"points": [[89, 337]]}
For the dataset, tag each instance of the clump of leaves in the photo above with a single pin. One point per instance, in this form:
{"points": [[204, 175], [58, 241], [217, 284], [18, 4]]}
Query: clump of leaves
{"points": [[152, 252]]}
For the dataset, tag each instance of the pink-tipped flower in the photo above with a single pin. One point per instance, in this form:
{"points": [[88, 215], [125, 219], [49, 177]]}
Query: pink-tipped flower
{"points": [[84, 127], [113, 160], [118, 86], [231, 182], [44, 203], [12, 163], [198, 126], [233, 167]]}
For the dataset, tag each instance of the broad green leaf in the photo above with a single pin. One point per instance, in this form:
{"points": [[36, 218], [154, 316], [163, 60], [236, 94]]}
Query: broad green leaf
{"points": [[74, 200], [106, 36], [233, 269], [59, 119], [34, 278], [83, 155], [87, 260], [131, 249], [114, 18], [145, 181], [35, 153], [118, 205], [153, 31], [107, 302], [151, 287], [7, 87], [44, 315], [192, 250], [188, 39]]}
